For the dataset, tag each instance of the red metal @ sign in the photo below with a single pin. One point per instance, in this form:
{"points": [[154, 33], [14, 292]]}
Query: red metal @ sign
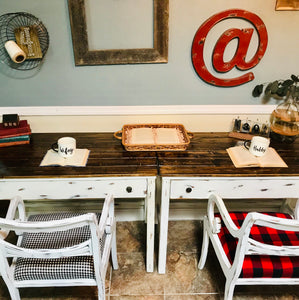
{"points": [[244, 37]]}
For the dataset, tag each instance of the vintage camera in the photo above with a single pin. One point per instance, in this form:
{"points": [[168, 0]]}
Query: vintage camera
{"points": [[10, 120], [251, 127]]}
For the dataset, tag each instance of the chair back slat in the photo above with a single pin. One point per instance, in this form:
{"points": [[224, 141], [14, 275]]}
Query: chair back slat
{"points": [[48, 226], [275, 222], [10, 250], [257, 248]]}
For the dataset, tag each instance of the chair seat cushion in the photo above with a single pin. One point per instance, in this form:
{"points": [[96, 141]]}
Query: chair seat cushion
{"points": [[76, 267], [265, 266]]}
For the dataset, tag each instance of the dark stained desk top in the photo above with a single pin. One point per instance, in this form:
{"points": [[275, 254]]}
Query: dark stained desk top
{"points": [[207, 156], [107, 158]]}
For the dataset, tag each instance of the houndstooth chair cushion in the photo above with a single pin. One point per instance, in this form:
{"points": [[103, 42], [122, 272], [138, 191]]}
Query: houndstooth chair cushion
{"points": [[267, 266], [77, 267]]}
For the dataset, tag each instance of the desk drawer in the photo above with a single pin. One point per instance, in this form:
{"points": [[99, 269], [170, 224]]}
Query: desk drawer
{"points": [[249, 187], [72, 188]]}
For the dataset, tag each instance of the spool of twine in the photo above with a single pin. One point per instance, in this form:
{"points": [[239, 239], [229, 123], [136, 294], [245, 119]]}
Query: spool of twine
{"points": [[16, 54]]}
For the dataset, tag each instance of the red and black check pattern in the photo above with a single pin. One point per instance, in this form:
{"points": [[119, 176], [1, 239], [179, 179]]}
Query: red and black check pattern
{"points": [[263, 265]]}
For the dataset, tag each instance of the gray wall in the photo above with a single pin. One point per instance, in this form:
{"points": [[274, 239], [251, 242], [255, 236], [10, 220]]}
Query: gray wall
{"points": [[59, 82]]}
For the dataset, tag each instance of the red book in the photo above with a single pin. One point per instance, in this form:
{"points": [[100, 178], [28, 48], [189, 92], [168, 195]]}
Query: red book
{"points": [[22, 129]]}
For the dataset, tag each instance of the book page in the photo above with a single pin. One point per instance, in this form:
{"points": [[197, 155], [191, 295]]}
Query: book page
{"points": [[241, 157], [140, 136], [79, 159], [167, 136], [271, 159]]}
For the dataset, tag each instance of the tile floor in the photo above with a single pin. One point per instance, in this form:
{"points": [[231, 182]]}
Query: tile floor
{"points": [[182, 279]]}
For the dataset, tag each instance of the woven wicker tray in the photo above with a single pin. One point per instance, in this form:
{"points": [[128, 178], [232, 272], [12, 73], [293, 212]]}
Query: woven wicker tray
{"points": [[154, 137]]}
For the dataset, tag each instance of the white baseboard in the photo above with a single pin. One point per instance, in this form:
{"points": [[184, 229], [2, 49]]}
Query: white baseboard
{"points": [[137, 110]]}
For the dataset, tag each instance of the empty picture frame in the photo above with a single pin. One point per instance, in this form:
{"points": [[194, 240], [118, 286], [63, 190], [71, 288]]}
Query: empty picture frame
{"points": [[287, 5], [84, 56]]}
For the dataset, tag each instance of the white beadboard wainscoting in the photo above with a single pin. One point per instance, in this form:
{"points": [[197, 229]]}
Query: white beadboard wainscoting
{"points": [[196, 118]]}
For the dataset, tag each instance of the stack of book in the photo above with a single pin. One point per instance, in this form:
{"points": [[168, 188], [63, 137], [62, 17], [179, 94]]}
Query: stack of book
{"points": [[15, 135]]}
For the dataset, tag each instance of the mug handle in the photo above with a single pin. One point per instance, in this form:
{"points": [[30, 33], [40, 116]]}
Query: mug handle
{"points": [[245, 145], [55, 147]]}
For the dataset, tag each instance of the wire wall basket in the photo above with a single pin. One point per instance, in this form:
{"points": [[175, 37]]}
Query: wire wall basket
{"points": [[8, 24]]}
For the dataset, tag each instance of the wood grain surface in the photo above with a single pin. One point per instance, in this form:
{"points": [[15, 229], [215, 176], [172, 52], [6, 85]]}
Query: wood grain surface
{"points": [[107, 158], [205, 156]]}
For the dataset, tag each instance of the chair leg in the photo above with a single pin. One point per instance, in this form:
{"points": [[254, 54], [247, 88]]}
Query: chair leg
{"points": [[229, 290], [101, 291], [114, 252], [204, 248], [13, 291]]}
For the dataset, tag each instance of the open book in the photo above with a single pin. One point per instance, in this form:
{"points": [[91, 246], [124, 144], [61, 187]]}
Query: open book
{"points": [[154, 136], [242, 158], [79, 159]]}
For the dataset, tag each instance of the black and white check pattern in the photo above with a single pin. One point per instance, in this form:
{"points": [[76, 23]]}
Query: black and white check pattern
{"points": [[77, 267]]}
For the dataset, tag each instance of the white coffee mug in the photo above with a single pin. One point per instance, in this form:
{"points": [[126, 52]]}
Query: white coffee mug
{"points": [[258, 145], [65, 146]]}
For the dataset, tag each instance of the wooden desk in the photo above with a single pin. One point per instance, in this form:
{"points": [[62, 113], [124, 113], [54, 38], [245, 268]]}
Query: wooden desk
{"points": [[110, 169], [206, 167]]}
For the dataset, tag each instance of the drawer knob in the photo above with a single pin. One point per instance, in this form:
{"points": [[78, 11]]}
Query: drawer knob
{"points": [[129, 189], [188, 190]]}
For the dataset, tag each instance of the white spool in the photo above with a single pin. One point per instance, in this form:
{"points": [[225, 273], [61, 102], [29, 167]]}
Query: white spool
{"points": [[15, 52]]}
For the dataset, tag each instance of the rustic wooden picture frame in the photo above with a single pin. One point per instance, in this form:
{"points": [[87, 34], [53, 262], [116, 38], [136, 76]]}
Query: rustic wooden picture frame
{"points": [[84, 56], [287, 5]]}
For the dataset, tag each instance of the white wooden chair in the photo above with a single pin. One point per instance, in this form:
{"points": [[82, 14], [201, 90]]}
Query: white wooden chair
{"points": [[58, 249], [252, 248]]}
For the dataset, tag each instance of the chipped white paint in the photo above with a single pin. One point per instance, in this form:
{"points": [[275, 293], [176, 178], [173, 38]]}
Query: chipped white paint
{"points": [[73, 188], [89, 188], [250, 187], [89, 247], [226, 187], [246, 245]]}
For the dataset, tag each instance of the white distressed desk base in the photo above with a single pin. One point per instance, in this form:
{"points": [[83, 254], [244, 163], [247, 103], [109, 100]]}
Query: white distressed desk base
{"points": [[226, 187], [90, 188]]}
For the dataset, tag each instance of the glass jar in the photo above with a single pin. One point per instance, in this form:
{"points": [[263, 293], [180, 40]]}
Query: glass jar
{"points": [[284, 121]]}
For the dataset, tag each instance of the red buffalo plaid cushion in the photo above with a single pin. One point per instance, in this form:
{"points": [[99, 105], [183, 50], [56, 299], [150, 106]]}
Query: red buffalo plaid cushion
{"points": [[263, 265]]}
